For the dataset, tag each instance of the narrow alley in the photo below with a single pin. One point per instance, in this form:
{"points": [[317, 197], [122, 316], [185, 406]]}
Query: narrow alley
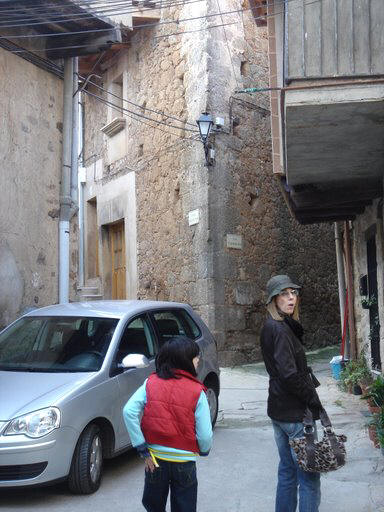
{"points": [[240, 473]]}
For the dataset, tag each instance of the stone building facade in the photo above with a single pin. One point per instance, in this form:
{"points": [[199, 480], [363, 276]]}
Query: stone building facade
{"points": [[159, 224], [31, 147]]}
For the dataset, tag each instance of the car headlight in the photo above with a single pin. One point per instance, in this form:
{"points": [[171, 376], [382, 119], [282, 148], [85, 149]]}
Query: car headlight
{"points": [[35, 424]]}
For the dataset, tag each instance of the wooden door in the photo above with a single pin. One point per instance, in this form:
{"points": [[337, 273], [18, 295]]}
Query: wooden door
{"points": [[117, 245]]}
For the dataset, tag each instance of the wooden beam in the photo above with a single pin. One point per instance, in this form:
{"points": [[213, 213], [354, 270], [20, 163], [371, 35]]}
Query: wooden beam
{"points": [[334, 197], [320, 220]]}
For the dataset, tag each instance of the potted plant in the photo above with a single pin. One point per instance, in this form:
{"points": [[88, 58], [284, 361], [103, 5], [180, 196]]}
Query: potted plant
{"points": [[354, 374], [372, 433], [375, 395], [376, 429]]}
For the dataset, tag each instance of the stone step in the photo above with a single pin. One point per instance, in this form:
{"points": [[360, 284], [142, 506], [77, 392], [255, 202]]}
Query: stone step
{"points": [[88, 289], [89, 297]]}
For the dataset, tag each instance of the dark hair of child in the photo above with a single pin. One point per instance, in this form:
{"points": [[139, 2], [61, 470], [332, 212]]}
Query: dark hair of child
{"points": [[177, 353]]}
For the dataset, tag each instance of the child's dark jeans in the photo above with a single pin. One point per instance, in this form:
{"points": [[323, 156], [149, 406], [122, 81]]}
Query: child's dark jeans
{"points": [[180, 477]]}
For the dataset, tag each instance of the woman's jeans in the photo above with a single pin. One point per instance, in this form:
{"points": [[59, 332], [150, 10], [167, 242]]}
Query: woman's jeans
{"points": [[290, 476], [180, 477]]}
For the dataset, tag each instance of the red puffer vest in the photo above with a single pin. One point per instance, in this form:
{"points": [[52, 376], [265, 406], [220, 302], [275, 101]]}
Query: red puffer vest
{"points": [[169, 415]]}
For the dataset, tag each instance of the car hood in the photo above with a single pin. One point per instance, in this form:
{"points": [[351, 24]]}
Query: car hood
{"points": [[23, 392]]}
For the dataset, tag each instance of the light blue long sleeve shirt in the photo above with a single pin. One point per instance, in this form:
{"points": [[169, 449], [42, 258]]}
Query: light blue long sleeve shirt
{"points": [[132, 413]]}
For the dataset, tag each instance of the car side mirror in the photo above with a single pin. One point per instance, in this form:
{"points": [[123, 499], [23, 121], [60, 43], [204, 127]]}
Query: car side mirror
{"points": [[135, 361]]}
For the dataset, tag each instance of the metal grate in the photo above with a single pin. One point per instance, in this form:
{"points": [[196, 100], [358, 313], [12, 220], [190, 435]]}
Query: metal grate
{"points": [[21, 472]]}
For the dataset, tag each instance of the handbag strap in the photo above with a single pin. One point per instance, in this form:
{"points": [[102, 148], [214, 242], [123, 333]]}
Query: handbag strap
{"points": [[309, 435], [324, 418]]}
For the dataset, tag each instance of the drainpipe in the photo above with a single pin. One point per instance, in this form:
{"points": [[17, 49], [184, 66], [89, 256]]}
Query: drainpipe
{"points": [[340, 272], [75, 137], [351, 314], [65, 189], [82, 180]]}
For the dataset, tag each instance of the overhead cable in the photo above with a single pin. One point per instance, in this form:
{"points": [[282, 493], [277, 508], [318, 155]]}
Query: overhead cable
{"points": [[159, 112], [148, 25], [85, 15], [159, 23], [85, 4], [123, 109]]}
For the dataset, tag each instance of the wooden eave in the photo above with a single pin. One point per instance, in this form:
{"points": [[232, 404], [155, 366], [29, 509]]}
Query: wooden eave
{"points": [[94, 64], [313, 204], [80, 30]]}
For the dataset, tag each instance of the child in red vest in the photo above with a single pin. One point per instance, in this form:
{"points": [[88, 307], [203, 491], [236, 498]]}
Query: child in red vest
{"points": [[175, 427]]}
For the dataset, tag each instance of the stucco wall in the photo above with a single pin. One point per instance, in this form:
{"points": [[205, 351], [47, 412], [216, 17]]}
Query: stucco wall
{"points": [[30, 153]]}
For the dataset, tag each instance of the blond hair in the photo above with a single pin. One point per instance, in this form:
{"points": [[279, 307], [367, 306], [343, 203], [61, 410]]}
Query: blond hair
{"points": [[275, 314]]}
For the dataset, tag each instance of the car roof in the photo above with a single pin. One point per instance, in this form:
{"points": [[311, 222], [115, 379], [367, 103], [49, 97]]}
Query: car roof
{"points": [[103, 308]]}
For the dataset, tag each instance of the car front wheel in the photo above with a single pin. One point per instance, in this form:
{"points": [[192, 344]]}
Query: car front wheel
{"points": [[87, 463]]}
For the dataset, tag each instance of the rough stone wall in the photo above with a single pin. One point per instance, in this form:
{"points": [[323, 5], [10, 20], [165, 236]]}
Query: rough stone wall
{"points": [[184, 75], [245, 200], [172, 255], [30, 142]]}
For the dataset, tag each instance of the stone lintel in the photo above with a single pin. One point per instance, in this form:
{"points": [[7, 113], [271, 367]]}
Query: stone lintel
{"points": [[115, 126]]}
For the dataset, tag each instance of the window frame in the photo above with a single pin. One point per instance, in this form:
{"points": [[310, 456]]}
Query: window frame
{"points": [[114, 368], [181, 318]]}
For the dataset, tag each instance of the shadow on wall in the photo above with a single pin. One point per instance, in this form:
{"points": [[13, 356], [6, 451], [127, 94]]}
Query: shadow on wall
{"points": [[11, 286]]}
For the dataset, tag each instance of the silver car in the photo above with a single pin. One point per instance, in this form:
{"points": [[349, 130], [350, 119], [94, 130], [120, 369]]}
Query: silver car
{"points": [[66, 372]]}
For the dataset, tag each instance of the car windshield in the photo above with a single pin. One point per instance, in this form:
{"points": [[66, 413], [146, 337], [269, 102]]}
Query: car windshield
{"points": [[56, 344]]}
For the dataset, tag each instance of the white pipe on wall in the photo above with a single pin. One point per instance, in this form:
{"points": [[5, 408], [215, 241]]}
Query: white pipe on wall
{"points": [[75, 134], [64, 261], [65, 189], [81, 183]]}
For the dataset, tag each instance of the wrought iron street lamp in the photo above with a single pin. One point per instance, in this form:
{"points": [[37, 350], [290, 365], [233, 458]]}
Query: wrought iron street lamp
{"points": [[205, 123]]}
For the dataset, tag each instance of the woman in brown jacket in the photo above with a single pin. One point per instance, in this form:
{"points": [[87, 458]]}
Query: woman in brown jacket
{"points": [[291, 391]]}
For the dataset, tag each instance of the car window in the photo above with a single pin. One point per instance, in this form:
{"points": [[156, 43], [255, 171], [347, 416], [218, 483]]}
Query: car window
{"points": [[175, 322], [192, 328], [56, 344], [137, 338]]}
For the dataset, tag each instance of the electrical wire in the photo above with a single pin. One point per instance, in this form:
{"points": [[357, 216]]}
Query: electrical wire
{"points": [[165, 35], [129, 113], [158, 112], [87, 9], [192, 31], [127, 43], [87, 15], [160, 23], [150, 159], [104, 6]]}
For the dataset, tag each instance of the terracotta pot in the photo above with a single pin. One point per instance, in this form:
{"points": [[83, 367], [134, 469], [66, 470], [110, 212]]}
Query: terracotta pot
{"points": [[373, 436], [374, 409]]}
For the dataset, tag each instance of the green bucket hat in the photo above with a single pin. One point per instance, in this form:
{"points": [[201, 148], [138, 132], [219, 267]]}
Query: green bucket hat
{"points": [[278, 283]]}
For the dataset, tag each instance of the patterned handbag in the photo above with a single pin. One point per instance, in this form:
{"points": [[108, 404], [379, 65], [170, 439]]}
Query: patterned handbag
{"points": [[322, 456]]}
